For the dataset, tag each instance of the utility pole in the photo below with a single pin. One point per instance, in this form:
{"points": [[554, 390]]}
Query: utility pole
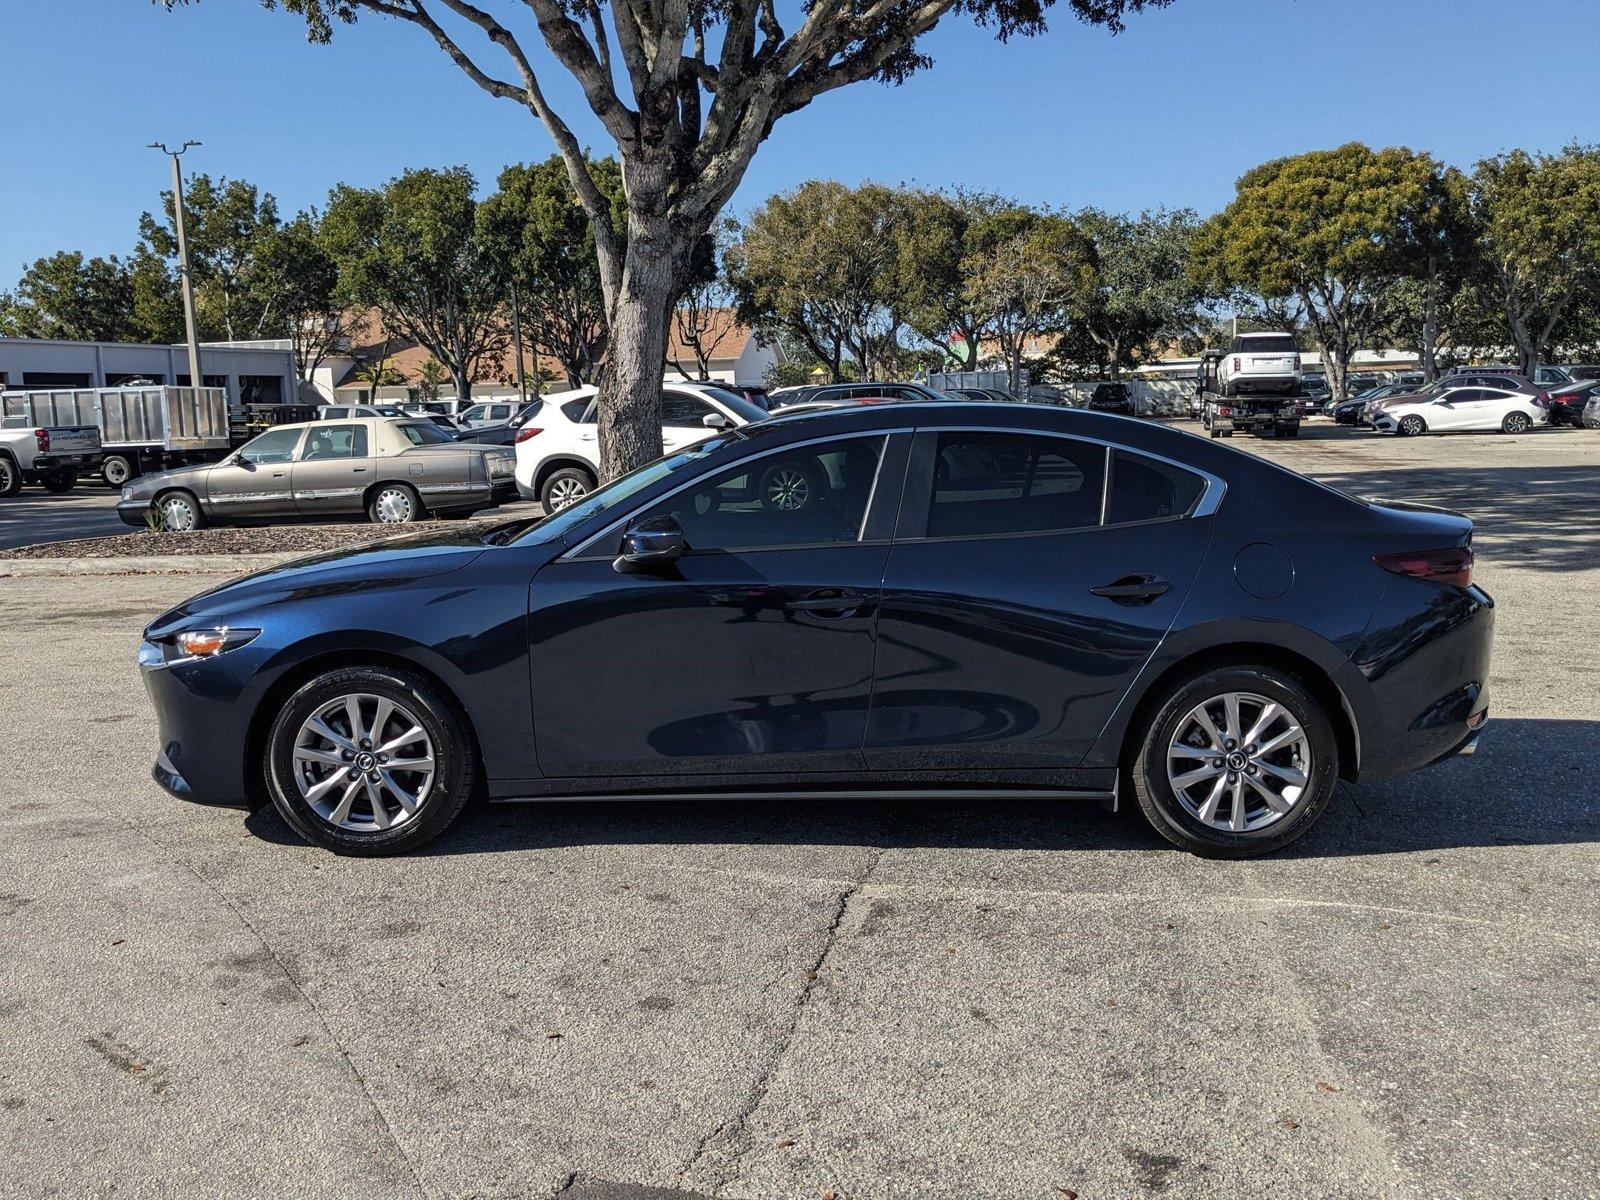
{"points": [[195, 378], [516, 341]]}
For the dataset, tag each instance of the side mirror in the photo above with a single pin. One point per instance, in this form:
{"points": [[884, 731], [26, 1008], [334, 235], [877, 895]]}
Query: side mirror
{"points": [[716, 421], [651, 544], [239, 460]]}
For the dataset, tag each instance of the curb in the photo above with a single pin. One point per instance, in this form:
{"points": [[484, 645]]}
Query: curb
{"points": [[153, 564]]}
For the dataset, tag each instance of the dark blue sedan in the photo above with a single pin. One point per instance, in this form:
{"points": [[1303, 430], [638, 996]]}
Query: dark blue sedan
{"points": [[917, 599]]}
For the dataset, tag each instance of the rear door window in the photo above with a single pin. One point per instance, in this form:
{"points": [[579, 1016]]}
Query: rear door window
{"points": [[683, 409], [1001, 483]]}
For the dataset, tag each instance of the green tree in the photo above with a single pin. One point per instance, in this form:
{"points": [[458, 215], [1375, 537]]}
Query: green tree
{"points": [[941, 236], [1324, 228], [819, 264], [295, 267], [534, 226], [1140, 290], [412, 250], [1538, 219], [687, 90], [1030, 282], [66, 295], [227, 221]]}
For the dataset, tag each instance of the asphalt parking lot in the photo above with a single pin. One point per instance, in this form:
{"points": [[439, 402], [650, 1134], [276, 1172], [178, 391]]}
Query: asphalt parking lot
{"points": [[921, 1000]]}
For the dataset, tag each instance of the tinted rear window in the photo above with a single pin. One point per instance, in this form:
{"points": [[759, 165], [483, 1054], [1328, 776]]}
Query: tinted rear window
{"points": [[988, 483], [1271, 343]]}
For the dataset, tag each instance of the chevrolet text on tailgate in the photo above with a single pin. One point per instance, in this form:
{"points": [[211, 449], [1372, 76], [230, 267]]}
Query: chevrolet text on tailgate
{"points": [[51, 456]]}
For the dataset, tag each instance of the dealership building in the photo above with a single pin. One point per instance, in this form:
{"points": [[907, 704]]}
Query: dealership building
{"points": [[251, 375]]}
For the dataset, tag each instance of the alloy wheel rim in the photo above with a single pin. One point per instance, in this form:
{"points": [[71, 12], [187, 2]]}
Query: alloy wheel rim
{"points": [[176, 515], [394, 507], [5, 474], [1516, 422], [787, 489], [566, 491], [364, 763], [1239, 762]]}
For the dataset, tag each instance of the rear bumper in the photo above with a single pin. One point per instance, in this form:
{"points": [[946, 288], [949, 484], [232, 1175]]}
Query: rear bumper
{"points": [[85, 461], [1425, 659]]}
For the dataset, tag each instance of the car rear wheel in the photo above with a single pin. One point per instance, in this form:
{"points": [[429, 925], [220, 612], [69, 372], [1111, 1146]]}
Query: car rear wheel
{"points": [[1412, 426], [1236, 762], [179, 513], [1515, 423], [394, 504], [369, 761], [565, 486], [10, 477]]}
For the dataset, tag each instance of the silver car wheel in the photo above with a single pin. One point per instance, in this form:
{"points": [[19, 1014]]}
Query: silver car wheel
{"points": [[1239, 762], [567, 491], [177, 514], [788, 489], [364, 763], [393, 506], [8, 476]]}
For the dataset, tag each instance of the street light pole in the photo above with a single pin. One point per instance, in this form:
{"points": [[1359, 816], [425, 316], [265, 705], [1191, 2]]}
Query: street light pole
{"points": [[184, 278], [516, 339]]}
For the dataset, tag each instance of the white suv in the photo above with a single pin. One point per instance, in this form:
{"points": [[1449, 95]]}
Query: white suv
{"points": [[1261, 363], [558, 446]]}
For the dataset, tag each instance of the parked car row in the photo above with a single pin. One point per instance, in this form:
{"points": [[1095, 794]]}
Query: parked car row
{"points": [[1471, 400]]}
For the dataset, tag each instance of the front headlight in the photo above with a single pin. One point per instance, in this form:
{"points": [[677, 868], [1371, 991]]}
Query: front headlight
{"points": [[198, 643]]}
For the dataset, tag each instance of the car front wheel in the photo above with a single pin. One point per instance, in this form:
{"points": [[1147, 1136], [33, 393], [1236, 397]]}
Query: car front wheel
{"points": [[1236, 762], [179, 512], [369, 761], [1412, 426]]}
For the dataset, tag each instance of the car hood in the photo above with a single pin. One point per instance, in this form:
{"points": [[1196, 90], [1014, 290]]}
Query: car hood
{"points": [[368, 566]]}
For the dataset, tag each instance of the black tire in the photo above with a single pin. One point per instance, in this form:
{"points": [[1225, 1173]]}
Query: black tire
{"points": [[180, 512], [447, 792], [58, 482], [116, 470], [564, 486], [792, 484], [394, 504], [10, 477], [1412, 426], [1159, 801], [1515, 422]]}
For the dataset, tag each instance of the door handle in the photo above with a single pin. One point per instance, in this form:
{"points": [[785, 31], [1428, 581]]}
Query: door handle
{"points": [[829, 602], [1133, 589], [357, 470]]}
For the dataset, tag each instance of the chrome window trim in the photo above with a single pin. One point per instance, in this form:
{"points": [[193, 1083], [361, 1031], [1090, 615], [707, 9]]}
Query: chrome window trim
{"points": [[577, 553], [1207, 505]]}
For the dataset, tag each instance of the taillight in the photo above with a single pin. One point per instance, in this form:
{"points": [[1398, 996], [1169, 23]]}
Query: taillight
{"points": [[42, 436], [1224, 411], [1236, 362], [1452, 565], [527, 432]]}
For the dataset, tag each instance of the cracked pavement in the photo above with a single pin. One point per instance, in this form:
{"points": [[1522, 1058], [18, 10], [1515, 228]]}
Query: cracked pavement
{"points": [[626, 1002]]}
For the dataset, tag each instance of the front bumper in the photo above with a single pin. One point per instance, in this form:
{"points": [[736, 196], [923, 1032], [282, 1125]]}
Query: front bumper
{"points": [[132, 512], [203, 709]]}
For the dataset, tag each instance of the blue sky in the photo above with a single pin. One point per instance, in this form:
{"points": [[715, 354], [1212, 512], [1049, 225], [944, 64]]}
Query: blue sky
{"points": [[1075, 117]]}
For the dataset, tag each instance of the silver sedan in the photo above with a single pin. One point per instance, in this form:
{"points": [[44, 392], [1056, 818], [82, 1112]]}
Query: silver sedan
{"points": [[393, 469]]}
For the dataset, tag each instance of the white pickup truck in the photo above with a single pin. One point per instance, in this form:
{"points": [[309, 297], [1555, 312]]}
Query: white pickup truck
{"points": [[49, 456]]}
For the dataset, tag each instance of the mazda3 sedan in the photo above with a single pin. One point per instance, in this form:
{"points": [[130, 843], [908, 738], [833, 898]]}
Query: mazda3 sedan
{"points": [[943, 599]]}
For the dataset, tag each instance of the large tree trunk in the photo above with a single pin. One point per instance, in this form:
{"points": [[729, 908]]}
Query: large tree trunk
{"points": [[630, 382], [463, 384]]}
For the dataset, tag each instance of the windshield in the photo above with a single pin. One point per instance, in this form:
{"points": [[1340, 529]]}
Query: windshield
{"points": [[736, 403], [619, 491], [425, 433]]}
